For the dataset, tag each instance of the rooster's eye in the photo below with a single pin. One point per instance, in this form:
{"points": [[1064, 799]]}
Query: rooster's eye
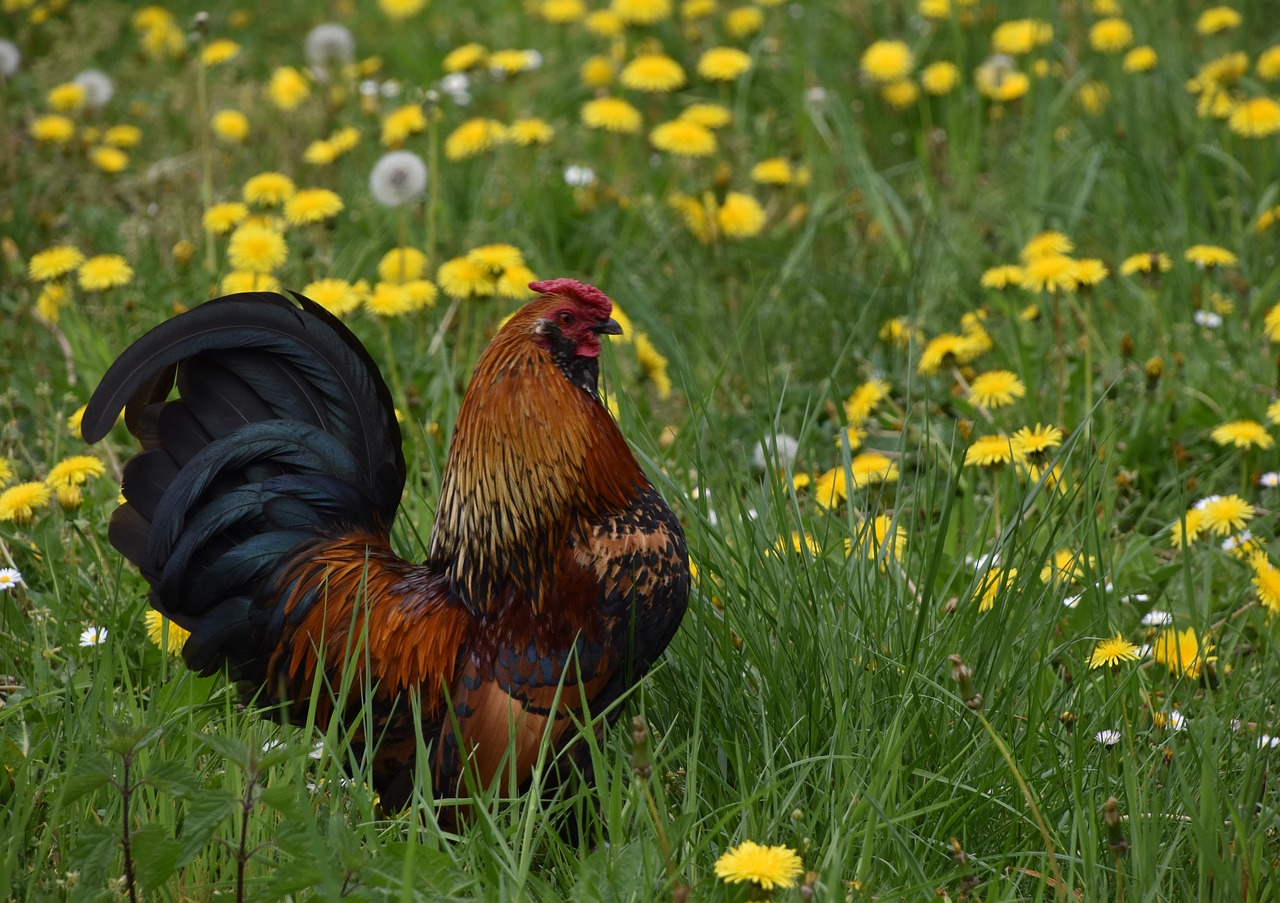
{"points": [[565, 318]]}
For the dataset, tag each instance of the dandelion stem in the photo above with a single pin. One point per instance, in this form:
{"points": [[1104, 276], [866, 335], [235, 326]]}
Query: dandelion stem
{"points": [[433, 184], [206, 157]]}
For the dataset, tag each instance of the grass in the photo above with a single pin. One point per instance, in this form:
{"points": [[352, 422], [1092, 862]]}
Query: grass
{"points": [[809, 699]]}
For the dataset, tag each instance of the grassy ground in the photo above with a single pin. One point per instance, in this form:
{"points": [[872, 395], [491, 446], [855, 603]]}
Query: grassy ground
{"points": [[810, 699]]}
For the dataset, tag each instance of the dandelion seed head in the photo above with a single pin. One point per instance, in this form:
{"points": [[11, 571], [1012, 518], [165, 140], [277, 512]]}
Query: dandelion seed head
{"points": [[397, 178], [98, 87]]}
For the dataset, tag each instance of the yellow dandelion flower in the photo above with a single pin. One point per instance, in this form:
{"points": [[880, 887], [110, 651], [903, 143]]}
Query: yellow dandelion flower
{"points": [[683, 138], [1065, 566], [287, 88], [268, 189], [797, 542], [475, 136], [863, 400], [878, 539], [993, 582], [530, 131], [641, 12], [887, 61], [773, 171], [900, 94], [1049, 273], [1146, 262], [612, 114], [1019, 36], [997, 80], [1113, 651], [462, 277], [335, 295], [74, 471], [1181, 652], [1111, 35], [399, 10], [1186, 530], [239, 281], [52, 298], [1273, 409], [1223, 515], [122, 136], [1205, 256], [1090, 271], [652, 72], [653, 364], [422, 293], [468, 56], [510, 62], [1034, 443], [596, 71], [19, 502], [1217, 19], [222, 218], [723, 64], [1268, 64], [996, 389], [743, 21], [67, 97], [231, 126], [1242, 434], [604, 23], [1257, 117], [320, 152], [692, 10], [1140, 59], [872, 468], [389, 300], [514, 283], [104, 271], [740, 216], [402, 122], [167, 635], [991, 451], [312, 205], [402, 264], [1002, 276], [766, 867], [1047, 244], [711, 115], [74, 421], [52, 128], [940, 78], [496, 258], [220, 51], [562, 12], [54, 262], [831, 488], [1266, 580], [942, 350], [256, 249], [108, 159]]}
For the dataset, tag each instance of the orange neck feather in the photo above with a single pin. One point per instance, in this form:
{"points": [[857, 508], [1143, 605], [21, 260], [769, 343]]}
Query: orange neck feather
{"points": [[533, 457]]}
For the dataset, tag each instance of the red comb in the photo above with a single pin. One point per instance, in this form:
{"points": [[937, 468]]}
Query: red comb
{"points": [[586, 295]]}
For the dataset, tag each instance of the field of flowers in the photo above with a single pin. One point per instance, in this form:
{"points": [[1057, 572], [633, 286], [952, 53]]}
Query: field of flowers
{"points": [[951, 334]]}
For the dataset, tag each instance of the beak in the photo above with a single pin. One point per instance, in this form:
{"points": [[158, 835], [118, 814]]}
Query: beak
{"points": [[609, 327]]}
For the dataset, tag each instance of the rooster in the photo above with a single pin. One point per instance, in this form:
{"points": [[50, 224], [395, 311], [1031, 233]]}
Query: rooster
{"points": [[260, 513]]}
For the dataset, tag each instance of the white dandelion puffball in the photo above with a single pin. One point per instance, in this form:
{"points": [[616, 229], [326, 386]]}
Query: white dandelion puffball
{"points": [[579, 176], [780, 450], [10, 58], [98, 87], [398, 178], [328, 45]]}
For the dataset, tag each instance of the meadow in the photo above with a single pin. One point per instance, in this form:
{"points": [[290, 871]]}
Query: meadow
{"points": [[952, 336]]}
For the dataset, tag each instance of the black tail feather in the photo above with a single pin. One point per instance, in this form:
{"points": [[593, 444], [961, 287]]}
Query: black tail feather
{"points": [[282, 431]]}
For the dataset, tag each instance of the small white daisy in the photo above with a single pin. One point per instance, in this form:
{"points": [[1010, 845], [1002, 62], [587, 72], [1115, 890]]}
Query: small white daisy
{"points": [[1270, 479], [1107, 738], [781, 450], [1266, 741], [1071, 601], [92, 636], [1156, 618], [1207, 319], [1135, 597], [1205, 502], [1144, 651], [1234, 542], [9, 578]]}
